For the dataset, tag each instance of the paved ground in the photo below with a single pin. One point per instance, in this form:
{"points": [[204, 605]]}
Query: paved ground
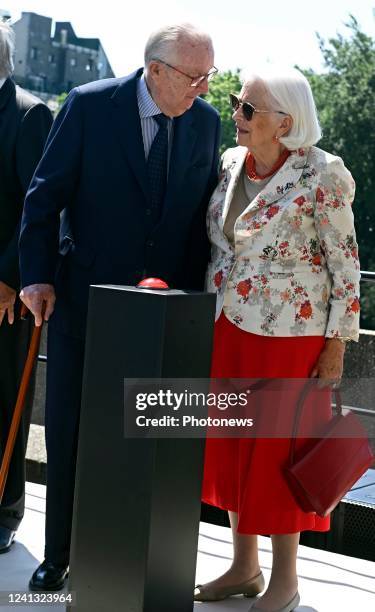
{"points": [[327, 581]]}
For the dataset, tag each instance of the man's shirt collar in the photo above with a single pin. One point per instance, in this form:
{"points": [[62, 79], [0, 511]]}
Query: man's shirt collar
{"points": [[147, 106]]}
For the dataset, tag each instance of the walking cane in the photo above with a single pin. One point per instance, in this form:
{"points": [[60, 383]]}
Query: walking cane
{"points": [[20, 403]]}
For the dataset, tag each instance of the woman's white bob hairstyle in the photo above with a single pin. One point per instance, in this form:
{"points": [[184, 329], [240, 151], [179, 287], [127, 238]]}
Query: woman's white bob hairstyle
{"points": [[289, 91]]}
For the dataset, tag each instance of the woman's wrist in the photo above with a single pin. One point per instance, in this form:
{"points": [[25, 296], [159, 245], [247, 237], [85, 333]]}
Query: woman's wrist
{"points": [[337, 342]]}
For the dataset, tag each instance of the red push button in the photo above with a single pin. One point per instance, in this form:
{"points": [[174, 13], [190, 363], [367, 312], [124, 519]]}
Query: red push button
{"points": [[152, 283]]}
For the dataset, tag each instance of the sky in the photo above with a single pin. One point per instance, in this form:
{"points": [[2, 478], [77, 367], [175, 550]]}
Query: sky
{"points": [[244, 32]]}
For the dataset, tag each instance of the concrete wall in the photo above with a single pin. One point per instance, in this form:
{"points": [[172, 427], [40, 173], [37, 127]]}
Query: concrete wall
{"points": [[77, 74]]}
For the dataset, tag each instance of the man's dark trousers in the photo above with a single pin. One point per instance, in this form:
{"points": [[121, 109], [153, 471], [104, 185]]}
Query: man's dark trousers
{"points": [[63, 401]]}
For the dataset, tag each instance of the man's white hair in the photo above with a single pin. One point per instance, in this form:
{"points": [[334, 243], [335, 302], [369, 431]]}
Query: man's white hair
{"points": [[289, 91], [163, 43], [6, 50]]}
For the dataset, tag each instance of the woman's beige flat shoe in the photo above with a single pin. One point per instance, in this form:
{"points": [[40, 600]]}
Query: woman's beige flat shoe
{"points": [[288, 608], [249, 588]]}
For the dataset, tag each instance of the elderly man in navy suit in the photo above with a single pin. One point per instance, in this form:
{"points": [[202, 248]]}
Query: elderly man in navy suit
{"points": [[132, 162]]}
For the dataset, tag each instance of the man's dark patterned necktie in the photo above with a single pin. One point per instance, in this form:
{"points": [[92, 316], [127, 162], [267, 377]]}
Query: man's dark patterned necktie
{"points": [[157, 164]]}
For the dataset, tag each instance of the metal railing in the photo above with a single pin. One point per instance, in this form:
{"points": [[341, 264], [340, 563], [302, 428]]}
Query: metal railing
{"points": [[367, 276]]}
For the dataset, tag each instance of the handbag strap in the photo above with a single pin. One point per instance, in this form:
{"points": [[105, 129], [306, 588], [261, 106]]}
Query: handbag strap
{"points": [[260, 383], [298, 415]]}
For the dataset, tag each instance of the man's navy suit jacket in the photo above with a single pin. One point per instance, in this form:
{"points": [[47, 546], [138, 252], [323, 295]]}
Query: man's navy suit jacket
{"points": [[94, 167]]}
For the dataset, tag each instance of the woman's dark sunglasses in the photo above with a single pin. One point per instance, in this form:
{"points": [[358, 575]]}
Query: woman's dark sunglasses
{"points": [[247, 108]]}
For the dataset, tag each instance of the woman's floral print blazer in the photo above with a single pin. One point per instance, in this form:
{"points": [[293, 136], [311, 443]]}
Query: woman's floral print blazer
{"points": [[294, 269]]}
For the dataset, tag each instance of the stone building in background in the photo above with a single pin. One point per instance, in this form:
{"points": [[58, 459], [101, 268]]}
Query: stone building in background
{"points": [[54, 65]]}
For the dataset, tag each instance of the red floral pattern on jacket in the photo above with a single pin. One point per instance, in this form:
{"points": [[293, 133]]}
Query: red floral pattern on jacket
{"points": [[293, 269]]}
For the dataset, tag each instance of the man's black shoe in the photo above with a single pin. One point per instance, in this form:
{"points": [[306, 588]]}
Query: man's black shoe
{"points": [[6, 539], [48, 577]]}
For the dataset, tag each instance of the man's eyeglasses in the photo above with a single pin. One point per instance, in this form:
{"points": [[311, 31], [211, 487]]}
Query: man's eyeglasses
{"points": [[247, 108], [194, 80]]}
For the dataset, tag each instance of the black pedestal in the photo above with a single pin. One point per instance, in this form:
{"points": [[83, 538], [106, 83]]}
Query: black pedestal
{"points": [[137, 501]]}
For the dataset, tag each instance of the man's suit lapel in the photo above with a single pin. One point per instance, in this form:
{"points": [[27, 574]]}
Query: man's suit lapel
{"points": [[7, 90], [184, 138], [127, 126]]}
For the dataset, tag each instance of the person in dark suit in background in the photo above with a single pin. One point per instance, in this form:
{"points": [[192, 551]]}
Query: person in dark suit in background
{"points": [[133, 161], [24, 125]]}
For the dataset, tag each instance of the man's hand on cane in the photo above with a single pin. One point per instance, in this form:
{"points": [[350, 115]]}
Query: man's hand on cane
{"points": [[33, 297]]}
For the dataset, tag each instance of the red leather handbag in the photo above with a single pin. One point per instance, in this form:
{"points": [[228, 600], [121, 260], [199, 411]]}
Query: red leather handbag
{"points": [[332, 463]]}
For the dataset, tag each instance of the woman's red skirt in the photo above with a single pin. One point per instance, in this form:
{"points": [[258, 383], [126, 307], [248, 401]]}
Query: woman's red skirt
{"points": [[246, 475]]}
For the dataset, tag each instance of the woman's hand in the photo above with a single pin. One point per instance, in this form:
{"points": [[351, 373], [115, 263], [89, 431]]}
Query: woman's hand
{"points": [[330, 364]]}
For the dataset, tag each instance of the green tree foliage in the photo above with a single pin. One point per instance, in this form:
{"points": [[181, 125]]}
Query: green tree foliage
{"points": [[220, 88], [61, 99], [345, 99]]}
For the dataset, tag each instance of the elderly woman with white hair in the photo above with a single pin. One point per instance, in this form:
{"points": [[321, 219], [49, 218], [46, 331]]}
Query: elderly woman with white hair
{"points": [[286, 273]]}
